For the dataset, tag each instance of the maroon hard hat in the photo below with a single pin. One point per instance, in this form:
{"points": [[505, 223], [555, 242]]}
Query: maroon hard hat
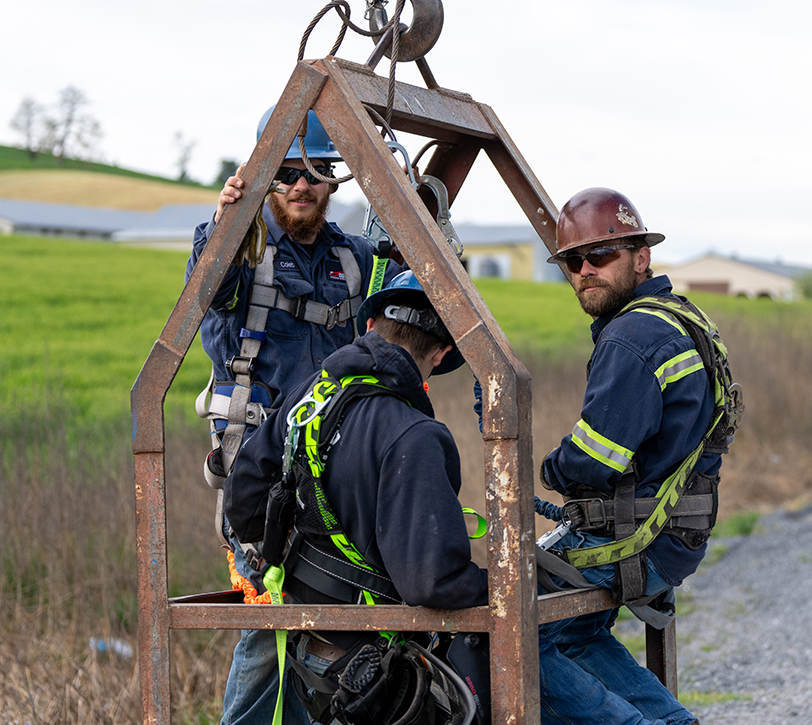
{"points": [[598, 215]]}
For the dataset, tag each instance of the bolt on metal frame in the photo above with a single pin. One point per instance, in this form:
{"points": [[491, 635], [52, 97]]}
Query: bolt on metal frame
{"points": [[337, 91]]}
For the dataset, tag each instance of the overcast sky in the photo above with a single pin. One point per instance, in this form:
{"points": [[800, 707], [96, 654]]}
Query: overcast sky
{"points": [[699, 110]]}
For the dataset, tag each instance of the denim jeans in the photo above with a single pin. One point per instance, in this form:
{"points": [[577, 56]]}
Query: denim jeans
{"points": [[253, 681], [587, 677]]}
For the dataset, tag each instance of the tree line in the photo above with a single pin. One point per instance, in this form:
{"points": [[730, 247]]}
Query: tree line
{"points": [[65, 129]]}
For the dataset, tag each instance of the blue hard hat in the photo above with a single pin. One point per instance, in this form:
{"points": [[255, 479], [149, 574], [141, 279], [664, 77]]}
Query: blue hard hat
{"points": [[317, 143], [406, 282]]}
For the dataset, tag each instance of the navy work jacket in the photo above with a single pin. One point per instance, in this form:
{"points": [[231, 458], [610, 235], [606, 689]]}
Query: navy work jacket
{"points": [[293, 348], [648, 401]]}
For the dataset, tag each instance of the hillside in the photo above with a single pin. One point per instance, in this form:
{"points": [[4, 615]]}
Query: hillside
{"points": [[91, 184]]}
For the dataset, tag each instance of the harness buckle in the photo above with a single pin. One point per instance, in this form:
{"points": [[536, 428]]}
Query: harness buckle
{"points": [[237, 365], [578, 512], [333, 316], [298, 307]]}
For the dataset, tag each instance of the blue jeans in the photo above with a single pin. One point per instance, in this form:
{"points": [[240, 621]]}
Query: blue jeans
{"points": [[253, 681], [587, 677]]}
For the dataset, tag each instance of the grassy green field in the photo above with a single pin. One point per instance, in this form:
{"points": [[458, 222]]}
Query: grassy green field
{"points": [[81, 318]]}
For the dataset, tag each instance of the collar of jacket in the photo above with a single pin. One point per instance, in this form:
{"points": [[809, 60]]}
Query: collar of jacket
{"points": [[391, 364], [655, 286]]}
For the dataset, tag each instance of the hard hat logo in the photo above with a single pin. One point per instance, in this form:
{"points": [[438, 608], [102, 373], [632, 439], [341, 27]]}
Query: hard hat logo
{"points": [[625, 217]]}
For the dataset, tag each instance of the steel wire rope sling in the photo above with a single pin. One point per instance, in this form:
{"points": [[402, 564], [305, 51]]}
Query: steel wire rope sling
{"points": [[373, 231], [728, 407]]}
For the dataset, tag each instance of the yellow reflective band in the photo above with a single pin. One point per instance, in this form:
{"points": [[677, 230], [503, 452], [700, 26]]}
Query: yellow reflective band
{"points": [[601, 448], [678, 367], [663, 316], [378, 271], [481, 524]]}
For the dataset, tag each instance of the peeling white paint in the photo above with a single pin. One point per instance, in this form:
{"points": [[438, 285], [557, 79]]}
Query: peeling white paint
{"points": [[625, 217]]}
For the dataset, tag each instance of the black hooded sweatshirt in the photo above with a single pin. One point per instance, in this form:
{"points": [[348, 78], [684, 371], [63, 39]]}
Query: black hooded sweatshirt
{"points": [[392, 480]]}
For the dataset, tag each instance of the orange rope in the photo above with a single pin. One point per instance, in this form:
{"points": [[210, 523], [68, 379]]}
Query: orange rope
{"points": [[240, 583]]}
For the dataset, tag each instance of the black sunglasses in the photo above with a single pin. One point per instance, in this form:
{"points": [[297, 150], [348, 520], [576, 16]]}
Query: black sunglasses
{"points": [[598, 257], [289, 176]]}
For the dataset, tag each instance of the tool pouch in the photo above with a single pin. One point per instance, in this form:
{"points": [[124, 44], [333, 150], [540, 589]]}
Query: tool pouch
{"points": [[278, 522]]}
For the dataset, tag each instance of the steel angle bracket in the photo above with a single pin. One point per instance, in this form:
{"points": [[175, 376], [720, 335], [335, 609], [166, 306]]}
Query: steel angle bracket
{"points": [[338, 91]]}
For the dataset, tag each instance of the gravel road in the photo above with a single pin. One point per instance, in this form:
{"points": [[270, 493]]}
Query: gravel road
{"points": [[748, 633]]}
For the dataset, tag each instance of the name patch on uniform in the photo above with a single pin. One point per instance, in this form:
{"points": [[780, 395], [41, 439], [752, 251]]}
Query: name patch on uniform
{"points": [[338, 275], [286, 264]]}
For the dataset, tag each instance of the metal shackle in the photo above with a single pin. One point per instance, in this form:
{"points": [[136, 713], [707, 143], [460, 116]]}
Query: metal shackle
{"points": [[416, 39]]}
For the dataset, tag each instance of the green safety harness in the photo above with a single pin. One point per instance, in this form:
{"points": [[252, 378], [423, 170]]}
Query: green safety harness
{"points": [[298, 510], [636, 522]]}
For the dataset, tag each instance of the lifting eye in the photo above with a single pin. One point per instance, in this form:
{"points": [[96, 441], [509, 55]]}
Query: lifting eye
{"points": [[418, 38]]}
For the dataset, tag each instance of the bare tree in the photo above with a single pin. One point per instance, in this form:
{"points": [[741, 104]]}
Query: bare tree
{"points": [[184, 155], [27, 121], [72, 130]]}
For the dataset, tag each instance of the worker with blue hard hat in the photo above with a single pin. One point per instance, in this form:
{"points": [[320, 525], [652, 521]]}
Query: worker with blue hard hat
{"points": [[285, 304]]}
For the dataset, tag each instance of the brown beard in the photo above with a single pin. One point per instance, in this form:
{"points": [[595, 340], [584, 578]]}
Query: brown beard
{"points": [[615, 296], [296, 228]]}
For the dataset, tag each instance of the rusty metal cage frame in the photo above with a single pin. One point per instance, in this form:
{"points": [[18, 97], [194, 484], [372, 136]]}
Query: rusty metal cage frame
{"points": [[338, 92]]}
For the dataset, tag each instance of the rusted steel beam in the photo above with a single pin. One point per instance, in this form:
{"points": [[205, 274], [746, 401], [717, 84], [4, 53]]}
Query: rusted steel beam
{"points": [[153, 608], [522, 182], [328, 617], [195, 612], [661, 654], [435, 113], [377, 172], [574, 603], [450, 163], [507, 392], [149, 390]]}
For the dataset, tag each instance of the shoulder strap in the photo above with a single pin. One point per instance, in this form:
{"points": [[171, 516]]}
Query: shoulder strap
{"points": [[313, 427], [253, 335]]}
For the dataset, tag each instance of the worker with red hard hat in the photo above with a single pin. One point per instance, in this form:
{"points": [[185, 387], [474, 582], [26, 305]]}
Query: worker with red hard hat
{"points": [[639, 472]]}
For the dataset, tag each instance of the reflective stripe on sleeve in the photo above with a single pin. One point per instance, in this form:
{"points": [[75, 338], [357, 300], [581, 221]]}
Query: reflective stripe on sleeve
{"points": [[678, 367], [601, 448]]}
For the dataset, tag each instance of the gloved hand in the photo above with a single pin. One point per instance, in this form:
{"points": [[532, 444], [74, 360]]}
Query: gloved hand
{"points": [[478, 402]]}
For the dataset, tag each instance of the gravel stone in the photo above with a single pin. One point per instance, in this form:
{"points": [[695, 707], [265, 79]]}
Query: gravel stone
{"points": [[748, 629]]}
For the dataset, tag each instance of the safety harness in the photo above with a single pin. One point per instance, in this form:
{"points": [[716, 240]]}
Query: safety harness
{"points": [[376, 682], [686, 502], [232, 406]]}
